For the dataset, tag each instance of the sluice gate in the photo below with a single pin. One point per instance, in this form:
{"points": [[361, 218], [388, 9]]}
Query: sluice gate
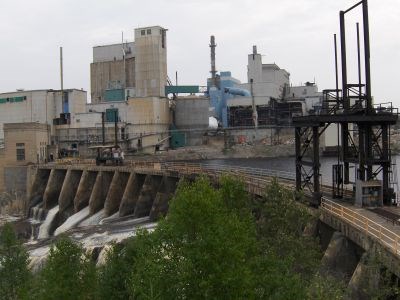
{"points": [[67, 191]]}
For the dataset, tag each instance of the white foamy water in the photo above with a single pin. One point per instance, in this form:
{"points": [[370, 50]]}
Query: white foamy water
{"points": [[73, 220], [93, 220], [38, 258], [111, 236], [45, 227], [101, 260], [38, 212], [104, 237], [109, 219]]}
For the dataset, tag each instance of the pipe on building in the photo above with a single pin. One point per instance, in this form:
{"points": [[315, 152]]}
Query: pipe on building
{"points": [[237, 92]]}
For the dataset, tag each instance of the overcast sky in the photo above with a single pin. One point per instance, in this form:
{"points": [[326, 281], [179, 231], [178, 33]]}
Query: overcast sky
{"points": [[296, 35]]}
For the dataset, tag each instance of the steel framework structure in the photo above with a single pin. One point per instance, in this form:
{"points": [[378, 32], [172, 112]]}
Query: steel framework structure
{"points": [[364, 128]]}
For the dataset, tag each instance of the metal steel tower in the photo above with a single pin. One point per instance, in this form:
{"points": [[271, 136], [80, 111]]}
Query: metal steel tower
{"points": [[353, 110]]}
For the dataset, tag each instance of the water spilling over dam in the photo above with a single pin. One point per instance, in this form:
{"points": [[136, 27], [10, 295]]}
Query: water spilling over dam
{"points": [[94, 205]]}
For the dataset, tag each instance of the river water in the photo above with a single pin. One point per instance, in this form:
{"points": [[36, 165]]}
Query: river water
{"points": [[288, 164]]}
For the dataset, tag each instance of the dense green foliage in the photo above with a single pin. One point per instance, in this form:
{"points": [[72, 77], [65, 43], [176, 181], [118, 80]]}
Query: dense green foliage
{"points": [[203, 250], [14, 273], [215, 243], [219, 244], [68, 274], [114, 276]]}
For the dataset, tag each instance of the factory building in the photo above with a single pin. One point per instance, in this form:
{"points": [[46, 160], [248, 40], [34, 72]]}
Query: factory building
{"points": [[191, 120], [219, 98], [265, 81], [128, 86], [266, 99], [51, 107], [142, 125], [112, 73], [131, 69]]}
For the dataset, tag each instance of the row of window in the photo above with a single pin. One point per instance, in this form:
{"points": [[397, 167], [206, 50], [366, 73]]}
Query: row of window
{"points": [[12, 99], [162, 33], [143, 32]]}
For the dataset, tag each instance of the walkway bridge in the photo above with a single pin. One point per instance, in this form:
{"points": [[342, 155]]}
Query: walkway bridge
{"points": [[143, 189]]}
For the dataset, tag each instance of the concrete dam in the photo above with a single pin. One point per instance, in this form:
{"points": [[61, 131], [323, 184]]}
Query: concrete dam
{"points": [[97, 205], [65, 191]]}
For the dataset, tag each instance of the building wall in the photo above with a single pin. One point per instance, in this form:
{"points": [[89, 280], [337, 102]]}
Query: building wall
{"points": [[113, 52], [149, 110], [78, 103], [151, 61], [192, 118], [39, 106], [191, 112], [137, 117], [303, 91], [110, 75], [86, 120], [148, 118], [122, 107], [309, 93], [149, 135], [34, 136], [254, 67], [2, 162], [268, 79]]}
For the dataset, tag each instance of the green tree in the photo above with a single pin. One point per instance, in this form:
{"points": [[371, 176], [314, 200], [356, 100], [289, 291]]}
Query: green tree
{"points": [[68, 273], [377, 281], [280, 227], [217, 244], [14, 274], [290, 259], [203, 250], [113, 277], [326, 287]]}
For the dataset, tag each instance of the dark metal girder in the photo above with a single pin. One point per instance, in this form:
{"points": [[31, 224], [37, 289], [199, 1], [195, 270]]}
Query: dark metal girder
{"points": [[353, 107]]}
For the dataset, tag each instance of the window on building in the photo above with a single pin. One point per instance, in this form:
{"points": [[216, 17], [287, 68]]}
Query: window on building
{"points": [[143, 32], [148, 31], [20, 151]]}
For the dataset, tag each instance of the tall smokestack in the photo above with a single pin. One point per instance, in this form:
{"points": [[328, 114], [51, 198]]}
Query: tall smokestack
{"points": [[61, 68], [213, 70], [62, 79]]}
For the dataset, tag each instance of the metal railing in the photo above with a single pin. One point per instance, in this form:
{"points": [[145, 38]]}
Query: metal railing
{"points": [[74, 161], [383, 235]]}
